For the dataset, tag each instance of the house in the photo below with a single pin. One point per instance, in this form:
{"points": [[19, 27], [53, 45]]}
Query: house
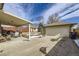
{"points": [[9, 28], [58, 28], [25, 28]]}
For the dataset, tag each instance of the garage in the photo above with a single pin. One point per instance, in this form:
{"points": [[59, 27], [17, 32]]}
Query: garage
{"points": [[58, 28]]}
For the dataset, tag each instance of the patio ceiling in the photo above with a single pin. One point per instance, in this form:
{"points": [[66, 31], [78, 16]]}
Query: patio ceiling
{"points": [[8, 19]]}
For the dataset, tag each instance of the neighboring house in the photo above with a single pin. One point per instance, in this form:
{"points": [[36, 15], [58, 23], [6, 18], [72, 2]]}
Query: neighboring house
{"points": [[58, 28], [25, 28], [9, 28], [76, 27]]}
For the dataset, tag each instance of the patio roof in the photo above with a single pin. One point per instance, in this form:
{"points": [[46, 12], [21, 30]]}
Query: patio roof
{"points": [[9, 19]]}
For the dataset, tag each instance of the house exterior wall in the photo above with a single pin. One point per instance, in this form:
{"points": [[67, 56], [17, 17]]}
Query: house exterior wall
{"points": [[1, 6], [77, 30], [63, 30]]}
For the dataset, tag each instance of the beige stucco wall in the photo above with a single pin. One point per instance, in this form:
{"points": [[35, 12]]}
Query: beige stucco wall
{"points": [[64, 30]]}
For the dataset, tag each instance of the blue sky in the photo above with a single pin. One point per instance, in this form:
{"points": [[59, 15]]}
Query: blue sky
{"points": [[68, 12]]}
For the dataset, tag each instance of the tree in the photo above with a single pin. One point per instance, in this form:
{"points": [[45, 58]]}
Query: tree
{"points": [[41, 29], [53, 18]]}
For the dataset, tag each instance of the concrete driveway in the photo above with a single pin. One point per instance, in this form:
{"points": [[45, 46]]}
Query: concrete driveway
{"points": [[21, 47]]}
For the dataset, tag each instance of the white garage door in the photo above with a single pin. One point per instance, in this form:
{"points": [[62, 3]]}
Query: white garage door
{"points": [[64, 30]]}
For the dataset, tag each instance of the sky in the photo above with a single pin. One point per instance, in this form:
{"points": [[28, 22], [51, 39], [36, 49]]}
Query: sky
{"points": [[35, 12]]}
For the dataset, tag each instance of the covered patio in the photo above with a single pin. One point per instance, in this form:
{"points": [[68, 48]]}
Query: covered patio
{"points": [[9, 19]]}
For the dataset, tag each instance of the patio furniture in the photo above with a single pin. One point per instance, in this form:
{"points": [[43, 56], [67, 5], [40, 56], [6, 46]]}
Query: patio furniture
{"points": [[8, 37], [16, 34], [2, 39], [24, 35]]}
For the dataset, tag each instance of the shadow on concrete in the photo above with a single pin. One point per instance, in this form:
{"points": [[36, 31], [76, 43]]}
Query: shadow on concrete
{"points": [[65, 47]]}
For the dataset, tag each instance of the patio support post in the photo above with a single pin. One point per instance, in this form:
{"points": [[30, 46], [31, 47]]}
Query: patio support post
{"points": [[0, 30], [29, 32]]}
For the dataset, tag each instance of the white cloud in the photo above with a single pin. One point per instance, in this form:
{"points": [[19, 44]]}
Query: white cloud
{"points": [[69, 10], [14, 9], [17, 10], [54, 9], [74, 14]]}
